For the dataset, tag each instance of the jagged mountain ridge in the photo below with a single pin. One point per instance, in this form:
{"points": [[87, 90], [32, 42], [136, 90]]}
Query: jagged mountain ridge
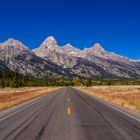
{"points": [[50, 44], [52, 60], [68, 56], [17, 57]]}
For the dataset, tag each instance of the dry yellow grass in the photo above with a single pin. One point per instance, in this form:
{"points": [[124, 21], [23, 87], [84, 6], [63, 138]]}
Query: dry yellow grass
{"points": [[10, 97], [126, 96]]}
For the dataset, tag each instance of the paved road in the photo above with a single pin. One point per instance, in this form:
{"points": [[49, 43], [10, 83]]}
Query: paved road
{"points": [[68, 114]]}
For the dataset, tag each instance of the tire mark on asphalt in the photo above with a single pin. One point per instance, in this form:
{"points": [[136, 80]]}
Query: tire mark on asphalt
{"points": [[109, 125], [130, 126], [34, 115], [45, 125]]}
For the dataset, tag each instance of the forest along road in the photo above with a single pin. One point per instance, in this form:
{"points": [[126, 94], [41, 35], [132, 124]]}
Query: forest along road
{"points": [[67, 114]]}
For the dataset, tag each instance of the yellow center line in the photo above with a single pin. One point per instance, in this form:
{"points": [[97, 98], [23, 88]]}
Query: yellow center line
{"points": [[69, 111], [68, 97]]}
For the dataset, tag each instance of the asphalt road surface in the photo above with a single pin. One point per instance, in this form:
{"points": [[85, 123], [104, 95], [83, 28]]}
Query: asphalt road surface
{"points": [[68, 114]]}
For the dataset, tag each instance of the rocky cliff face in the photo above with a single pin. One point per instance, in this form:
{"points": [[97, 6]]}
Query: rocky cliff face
{"points": [[19, 58], [50, 50], [78, 61], [52, 60]]}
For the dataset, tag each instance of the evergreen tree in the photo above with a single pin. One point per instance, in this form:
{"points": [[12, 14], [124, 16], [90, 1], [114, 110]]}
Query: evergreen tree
{"points": [[76, 81], [89, 82]]}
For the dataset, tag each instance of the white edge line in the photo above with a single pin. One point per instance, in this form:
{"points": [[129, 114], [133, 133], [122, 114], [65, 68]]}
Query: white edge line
{"points": [[19, 110], [103, 102]]}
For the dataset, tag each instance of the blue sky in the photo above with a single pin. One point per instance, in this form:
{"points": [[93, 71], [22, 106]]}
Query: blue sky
{"points": [[113, 23]]}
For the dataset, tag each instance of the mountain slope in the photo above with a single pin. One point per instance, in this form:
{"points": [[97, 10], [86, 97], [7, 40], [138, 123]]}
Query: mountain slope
{"points": [[52, 60], [50, 50], [17, 57], [94, 61]]}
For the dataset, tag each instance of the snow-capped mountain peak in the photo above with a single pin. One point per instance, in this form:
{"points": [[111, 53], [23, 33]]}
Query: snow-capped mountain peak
{"points": [[68, 45], [51, 39], [98, 47], [94, 61], [49, 42]]}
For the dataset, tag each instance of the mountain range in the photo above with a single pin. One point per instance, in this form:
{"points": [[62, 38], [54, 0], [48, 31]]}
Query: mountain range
{"points": [[52, 60]]}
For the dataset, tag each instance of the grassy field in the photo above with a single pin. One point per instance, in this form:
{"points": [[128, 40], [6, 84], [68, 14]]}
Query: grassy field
{"points": [[126, 96], [12, 96]]}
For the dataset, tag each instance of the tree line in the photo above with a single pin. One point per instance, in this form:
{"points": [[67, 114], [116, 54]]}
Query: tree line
{"points": [[12, 79]]}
